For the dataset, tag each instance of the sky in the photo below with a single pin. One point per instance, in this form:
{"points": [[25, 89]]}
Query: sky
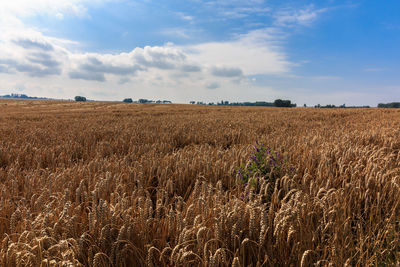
{"points": [[310, 52]]}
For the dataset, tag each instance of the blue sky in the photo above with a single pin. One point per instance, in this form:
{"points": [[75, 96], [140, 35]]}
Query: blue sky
{"points": [[326, 52]]}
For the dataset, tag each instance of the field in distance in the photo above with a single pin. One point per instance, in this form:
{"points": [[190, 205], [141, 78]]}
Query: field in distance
{"points": [[119, 184]]}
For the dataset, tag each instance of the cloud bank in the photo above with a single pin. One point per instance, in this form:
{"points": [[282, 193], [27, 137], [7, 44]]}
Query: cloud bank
{"points": [[32, 53]]}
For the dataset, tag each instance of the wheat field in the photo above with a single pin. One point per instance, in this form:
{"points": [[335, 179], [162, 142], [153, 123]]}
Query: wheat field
{"points": [[114, 184]]}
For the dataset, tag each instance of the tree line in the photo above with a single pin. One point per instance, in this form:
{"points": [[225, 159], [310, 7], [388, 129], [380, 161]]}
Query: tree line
{"points": [[129, 100], [276, 103], [389, 105]]}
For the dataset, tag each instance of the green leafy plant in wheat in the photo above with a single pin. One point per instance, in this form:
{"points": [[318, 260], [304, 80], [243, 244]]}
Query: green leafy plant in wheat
{"points": [[264, 163]]}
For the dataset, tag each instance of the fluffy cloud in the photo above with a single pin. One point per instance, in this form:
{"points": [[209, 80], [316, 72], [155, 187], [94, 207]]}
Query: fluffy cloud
{"points": [[94, 68], [33, 44], [212, 85], [226, 71], [253, 53], [158, 57], [191, 68], [249, 54], [88, 76], [36, 55]]}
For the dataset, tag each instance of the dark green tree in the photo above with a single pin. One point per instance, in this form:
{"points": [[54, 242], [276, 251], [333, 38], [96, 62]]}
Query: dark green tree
{"points": [[389, 105], [282, 103], [80, 98], [127, 100]]}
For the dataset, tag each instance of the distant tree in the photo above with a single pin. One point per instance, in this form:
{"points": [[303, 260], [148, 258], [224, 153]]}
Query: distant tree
{"points": [[192, 102], [305, 105], [80, 98], [143, 100], [127, 100], [326, 106], [282, 103], [394, 105], [389, 105]]}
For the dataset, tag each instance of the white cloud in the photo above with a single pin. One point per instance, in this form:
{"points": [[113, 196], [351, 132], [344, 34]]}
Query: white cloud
{"points": [[254, 53], [57, 8], [124, 80], [184, 16], [212, 85], [28, 51], [290, 17], [54, 8], [95, 66], [222, 71], [191, 68], [242, 12]]}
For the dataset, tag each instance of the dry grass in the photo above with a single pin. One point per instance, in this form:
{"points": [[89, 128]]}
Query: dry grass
{"points": [[112, 184]]}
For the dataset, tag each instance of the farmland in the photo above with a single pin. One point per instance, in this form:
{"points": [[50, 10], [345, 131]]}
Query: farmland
{"points": [[119, 184]]}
